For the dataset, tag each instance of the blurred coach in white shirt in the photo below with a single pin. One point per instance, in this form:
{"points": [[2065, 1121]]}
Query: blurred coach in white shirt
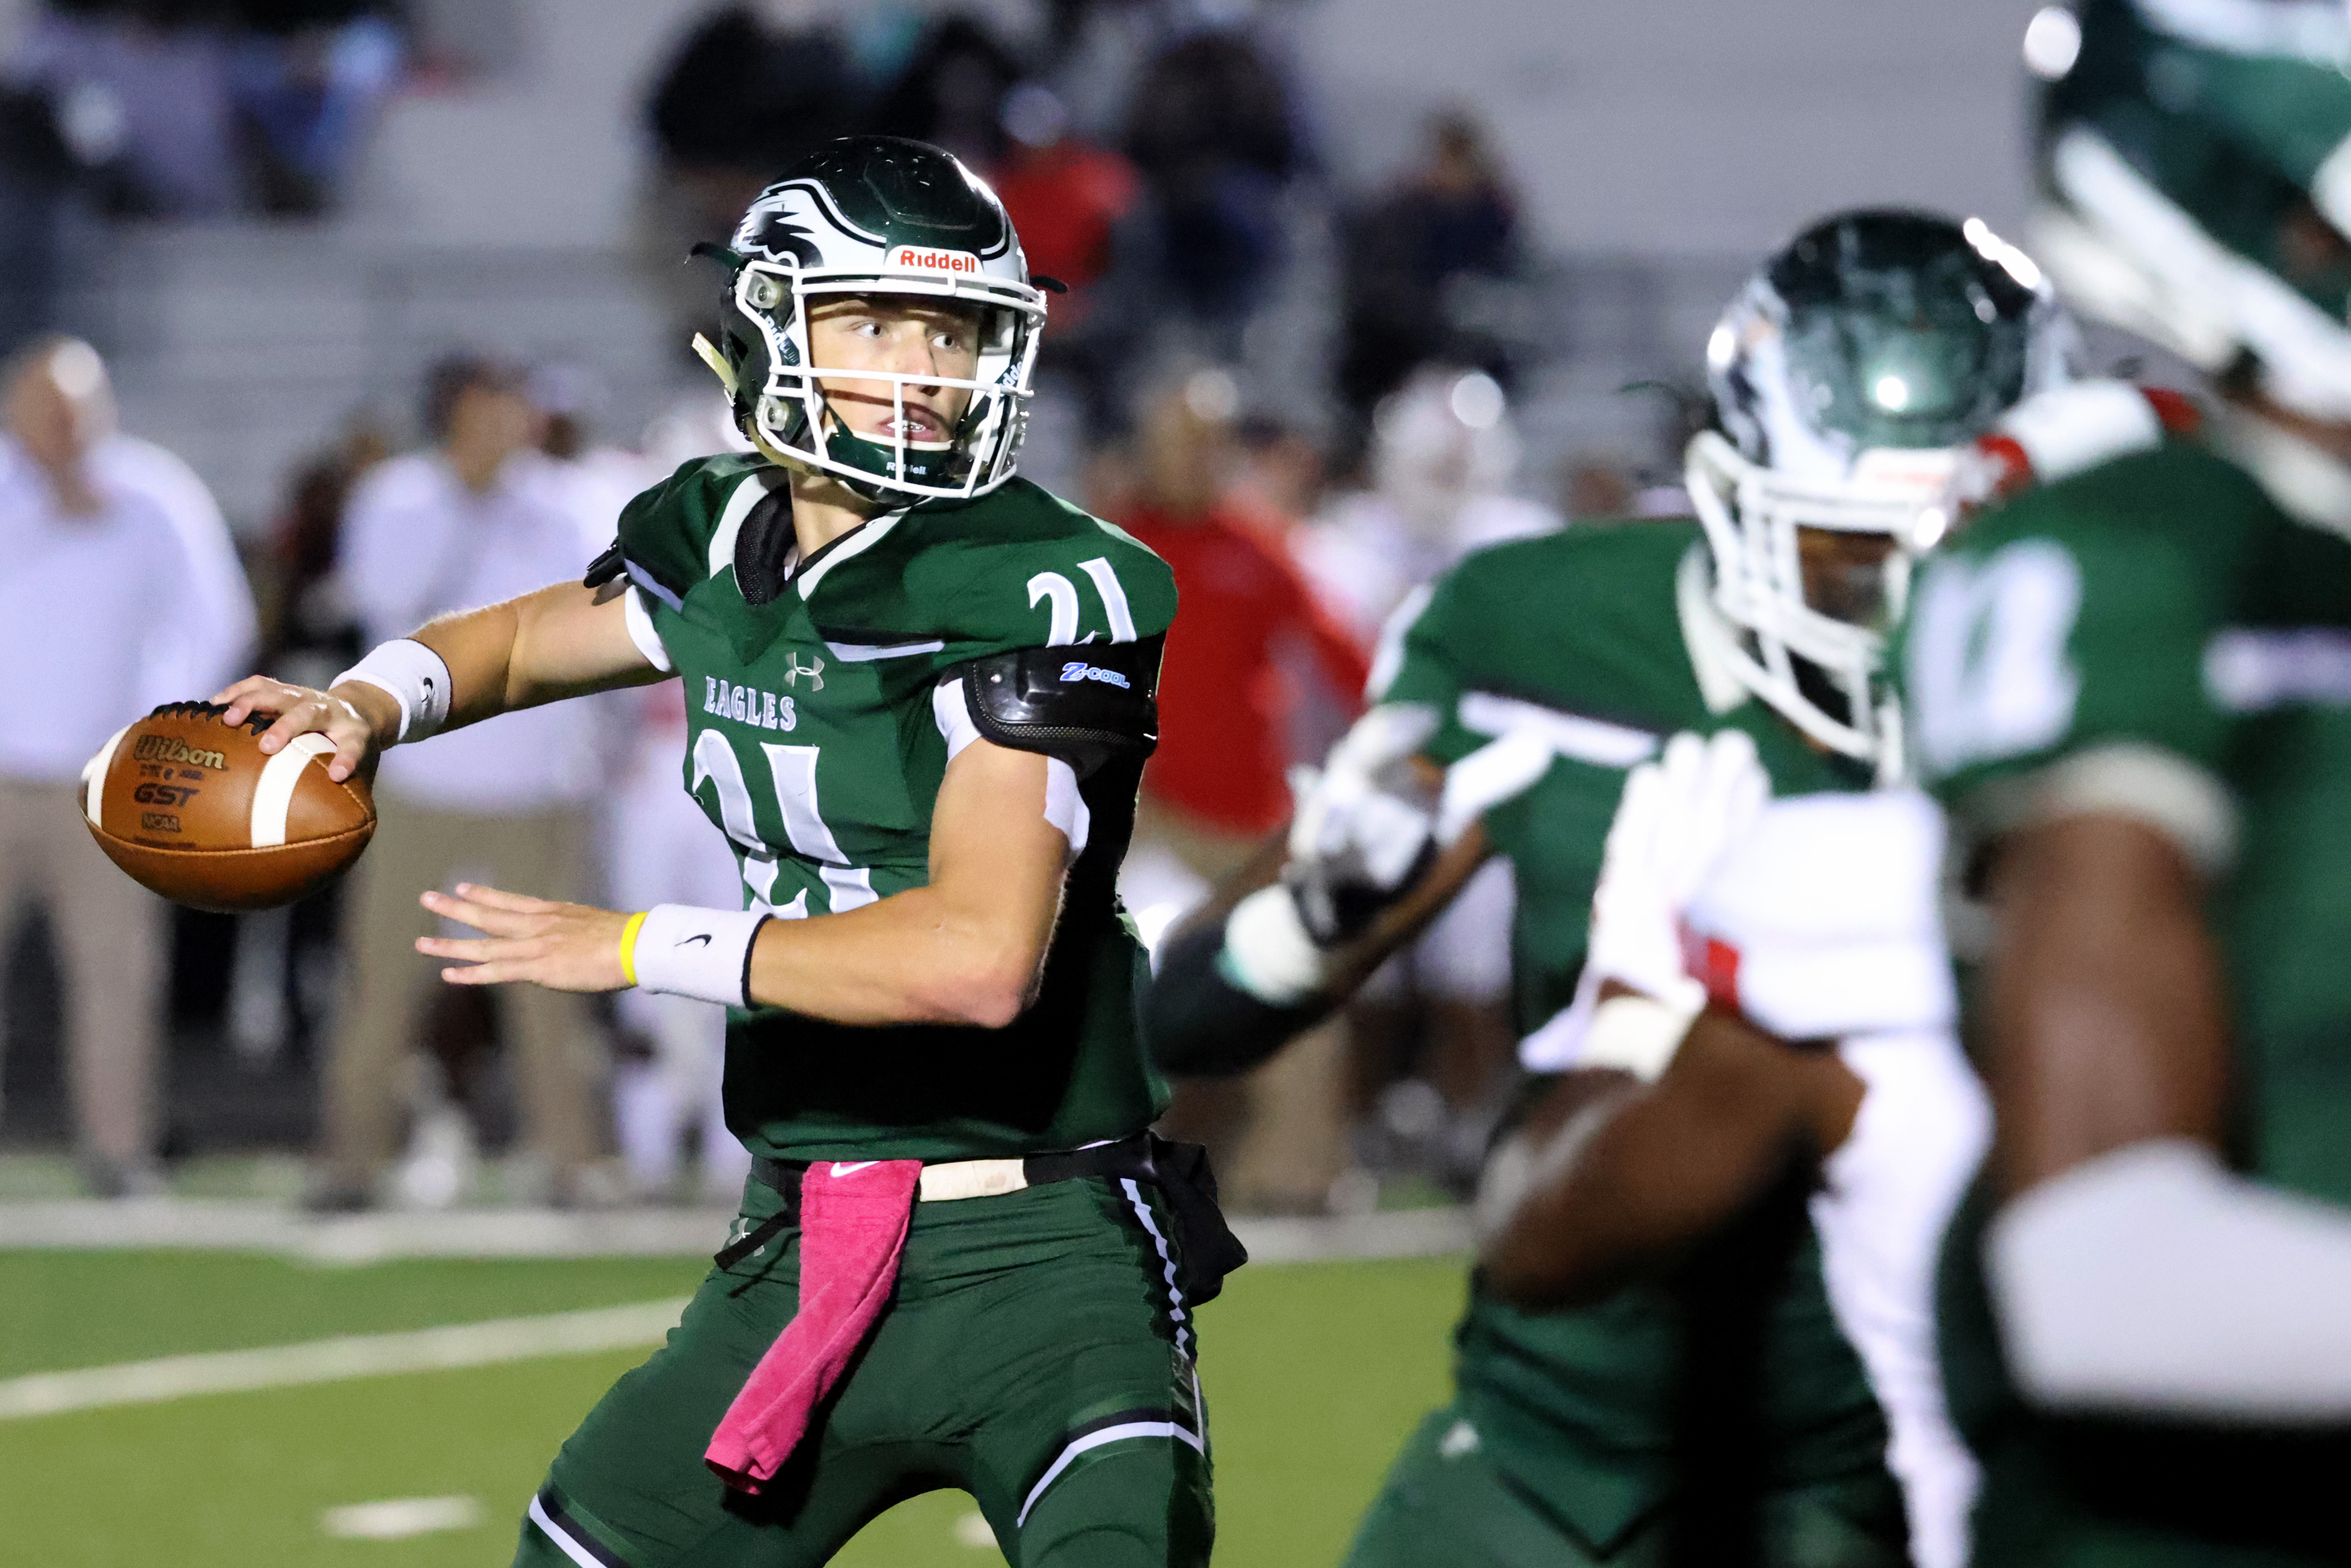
{"points": [[474, 519], [125, 593]]}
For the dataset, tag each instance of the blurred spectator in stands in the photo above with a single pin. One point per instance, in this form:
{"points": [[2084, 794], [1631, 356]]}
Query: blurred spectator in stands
{"points": [[745, 91], [141, 91], [288, 961], [1444, 457], [308, 78], [38, 170], [1450, 216], [1594, 485], [1069, 201], [1430, 1047], [1217, 777], [1215, 786], [1212, 129], [950, 93], [593, 478], [126, 594], [1283, 473], [469, 521]]}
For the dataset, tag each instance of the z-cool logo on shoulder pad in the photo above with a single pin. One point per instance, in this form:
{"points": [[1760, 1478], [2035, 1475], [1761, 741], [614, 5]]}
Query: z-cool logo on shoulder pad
{"points": [[1079, 670]]}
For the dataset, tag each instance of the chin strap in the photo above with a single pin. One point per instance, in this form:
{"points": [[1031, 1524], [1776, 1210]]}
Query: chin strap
{"points": [[708, 352]]}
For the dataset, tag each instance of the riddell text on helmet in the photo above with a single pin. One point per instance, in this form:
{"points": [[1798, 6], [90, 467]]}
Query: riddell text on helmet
{"points": [[923, 260]]}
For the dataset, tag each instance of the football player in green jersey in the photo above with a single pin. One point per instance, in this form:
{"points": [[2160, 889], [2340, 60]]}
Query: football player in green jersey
{"points": [[1701, 1331], [920, 692], [2132, 690]]}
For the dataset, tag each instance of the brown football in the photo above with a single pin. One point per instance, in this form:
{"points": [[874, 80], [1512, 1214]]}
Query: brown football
{"points": [[192, 808]]}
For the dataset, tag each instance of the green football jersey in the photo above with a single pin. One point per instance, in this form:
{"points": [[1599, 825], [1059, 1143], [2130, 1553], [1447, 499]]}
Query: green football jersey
{"points": [[1734, 1368], [2157, 634], [815, 746]]}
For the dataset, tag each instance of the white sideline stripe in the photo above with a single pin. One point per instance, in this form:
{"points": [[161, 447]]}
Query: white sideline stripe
{"points": [[1093, 1440], [221, 1225], [333, 1360], [93, 778], [562, 1538], [398, 1519], [273, 792]]}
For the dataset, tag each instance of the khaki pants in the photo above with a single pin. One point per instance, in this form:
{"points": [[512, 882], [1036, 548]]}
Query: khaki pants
{"points": [[108, 935], [1277, 1134], [555, 1054]]}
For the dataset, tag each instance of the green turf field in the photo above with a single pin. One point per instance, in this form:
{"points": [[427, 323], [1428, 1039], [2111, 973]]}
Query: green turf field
{"points": [[1313, 1373]]}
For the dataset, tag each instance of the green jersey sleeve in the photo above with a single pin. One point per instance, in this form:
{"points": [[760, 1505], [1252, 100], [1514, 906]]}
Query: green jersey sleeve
{"points": [[2055, 660], [1415, 663], [1015, 569], [665, 532]]}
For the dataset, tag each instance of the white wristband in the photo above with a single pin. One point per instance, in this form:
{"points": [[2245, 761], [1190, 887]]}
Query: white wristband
{"points": [[1267, 952], [417, 678], [705, 954], [1637, 1034]]}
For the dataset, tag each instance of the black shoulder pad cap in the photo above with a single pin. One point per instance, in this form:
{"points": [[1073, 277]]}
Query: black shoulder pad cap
{"points": [[605, 568], [1084, 703]]}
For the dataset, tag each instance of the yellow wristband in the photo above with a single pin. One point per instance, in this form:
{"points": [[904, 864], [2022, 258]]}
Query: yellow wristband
{"points": [[629, 945]]}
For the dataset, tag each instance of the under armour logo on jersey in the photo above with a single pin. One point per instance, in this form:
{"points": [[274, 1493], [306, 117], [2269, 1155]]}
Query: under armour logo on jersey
{"points": [[738, 1232], [813, 670]]}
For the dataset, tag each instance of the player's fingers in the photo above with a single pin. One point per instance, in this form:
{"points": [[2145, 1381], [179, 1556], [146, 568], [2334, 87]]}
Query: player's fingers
{"points": [[242, 696], [505, 923], [498, 898], [256, 693], [483, 950], [350, 750]]}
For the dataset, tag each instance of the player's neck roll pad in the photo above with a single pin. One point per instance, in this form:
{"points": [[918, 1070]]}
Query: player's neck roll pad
{"points": [[1085, 703]]}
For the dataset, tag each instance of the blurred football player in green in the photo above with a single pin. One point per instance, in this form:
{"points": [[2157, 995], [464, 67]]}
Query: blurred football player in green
{"points": [[2132, 689], [919, 693], [1700, 1331]]}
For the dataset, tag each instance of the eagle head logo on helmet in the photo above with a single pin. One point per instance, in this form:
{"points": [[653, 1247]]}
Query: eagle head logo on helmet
{"points": [[877, 216]]}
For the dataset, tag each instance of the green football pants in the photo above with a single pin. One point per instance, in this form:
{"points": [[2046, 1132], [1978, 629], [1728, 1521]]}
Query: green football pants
{"points": [[1036, 1354], [1446, 1500]]}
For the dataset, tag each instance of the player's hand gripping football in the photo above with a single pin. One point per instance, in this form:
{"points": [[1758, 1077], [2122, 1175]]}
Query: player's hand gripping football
{"points": [[359, 719], [1676, 817], [563, 947]]}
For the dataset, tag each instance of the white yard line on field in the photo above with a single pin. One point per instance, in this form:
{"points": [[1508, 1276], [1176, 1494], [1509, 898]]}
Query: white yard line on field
{"points": [[401, 1518], [214, 1225], [330, 1360]]}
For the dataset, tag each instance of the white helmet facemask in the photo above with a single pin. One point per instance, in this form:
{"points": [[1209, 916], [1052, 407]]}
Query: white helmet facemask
{"points": [[898, 222]]}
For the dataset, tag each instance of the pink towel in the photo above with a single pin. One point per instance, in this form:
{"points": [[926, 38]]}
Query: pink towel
{"points": [[853, 1216]]}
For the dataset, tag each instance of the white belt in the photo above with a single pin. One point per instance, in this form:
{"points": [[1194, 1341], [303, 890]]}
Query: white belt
{"points": [[972, 1178]]}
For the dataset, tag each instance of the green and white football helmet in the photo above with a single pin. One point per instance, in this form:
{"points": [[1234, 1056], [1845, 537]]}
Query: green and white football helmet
{"points": [[1847, 376], [2193, 161], [877, 216]]}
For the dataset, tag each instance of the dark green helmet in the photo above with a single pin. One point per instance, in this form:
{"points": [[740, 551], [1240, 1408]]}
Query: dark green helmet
{"points": [[867, 216], [1847, 376], [2194, 164]]}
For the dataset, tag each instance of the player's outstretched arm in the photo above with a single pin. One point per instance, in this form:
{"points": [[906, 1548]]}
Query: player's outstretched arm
{"points": [[558, 642], [1212, 1012], [1620, 1180], [967, 948], [1383, 840]]}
